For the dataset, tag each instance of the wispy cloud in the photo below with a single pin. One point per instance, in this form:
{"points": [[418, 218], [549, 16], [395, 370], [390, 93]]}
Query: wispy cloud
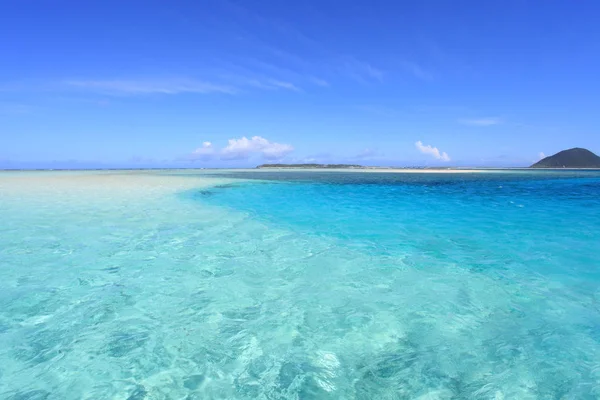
{"points": [[417, 71], [432, 151], [373, 72], [541, 155], [249, 80], [278, 26], [254, 83], [480, 121], [146, 87], [361, 71], [284, 85], [308, 65], [266, 71], [318, 81]]}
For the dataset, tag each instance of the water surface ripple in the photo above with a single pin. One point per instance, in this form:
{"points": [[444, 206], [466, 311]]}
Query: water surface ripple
{"points": [[300, 285]]}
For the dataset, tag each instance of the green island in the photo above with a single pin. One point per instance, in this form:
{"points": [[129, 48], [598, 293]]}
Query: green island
{"points": [[571, 158]]}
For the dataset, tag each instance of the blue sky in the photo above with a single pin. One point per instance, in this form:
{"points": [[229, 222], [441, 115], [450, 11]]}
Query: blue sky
{"points": [[238, 83]]}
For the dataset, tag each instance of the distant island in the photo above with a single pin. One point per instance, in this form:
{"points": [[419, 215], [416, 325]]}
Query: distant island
{"points": [[572, 158], [335, 166], [363, 167]]}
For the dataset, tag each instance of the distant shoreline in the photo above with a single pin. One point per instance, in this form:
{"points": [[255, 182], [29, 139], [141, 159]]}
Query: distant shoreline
{"points": [[381, 170], [425, 170]]}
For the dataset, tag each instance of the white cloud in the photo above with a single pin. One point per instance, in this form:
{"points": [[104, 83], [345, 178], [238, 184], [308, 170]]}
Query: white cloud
{"points": [[481, 121], [144, 87], [204, 152], [244, 148], [541, 155], [207, 148], [432, 151]]}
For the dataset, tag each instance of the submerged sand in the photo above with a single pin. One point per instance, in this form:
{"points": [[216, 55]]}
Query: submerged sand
{"points": [[97, 185]]}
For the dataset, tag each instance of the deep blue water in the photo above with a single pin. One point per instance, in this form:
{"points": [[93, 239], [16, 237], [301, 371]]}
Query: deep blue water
{"points": [[542, 221]]}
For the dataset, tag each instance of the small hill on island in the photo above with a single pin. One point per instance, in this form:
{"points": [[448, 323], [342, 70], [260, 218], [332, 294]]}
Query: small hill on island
{"points": [[572, 158]]}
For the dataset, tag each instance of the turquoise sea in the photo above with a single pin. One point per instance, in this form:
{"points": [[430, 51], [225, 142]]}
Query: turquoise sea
{"points": [[265, 284]]}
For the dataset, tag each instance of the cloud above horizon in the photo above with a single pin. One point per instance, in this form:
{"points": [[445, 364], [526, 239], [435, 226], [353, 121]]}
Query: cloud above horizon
{"points": [[432, 151], [205, 152], [541, 155], [243, 148], [490, 121]]}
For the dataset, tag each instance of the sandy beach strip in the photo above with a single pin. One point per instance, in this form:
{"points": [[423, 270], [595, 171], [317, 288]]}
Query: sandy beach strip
{"points": [[95, 184]]}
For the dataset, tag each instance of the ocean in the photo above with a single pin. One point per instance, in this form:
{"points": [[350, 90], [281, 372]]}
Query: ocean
{"points": [[274, 284]]}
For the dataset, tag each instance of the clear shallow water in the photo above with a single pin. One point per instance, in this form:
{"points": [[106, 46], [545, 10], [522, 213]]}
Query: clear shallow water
{"points": [[304, 285]]}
